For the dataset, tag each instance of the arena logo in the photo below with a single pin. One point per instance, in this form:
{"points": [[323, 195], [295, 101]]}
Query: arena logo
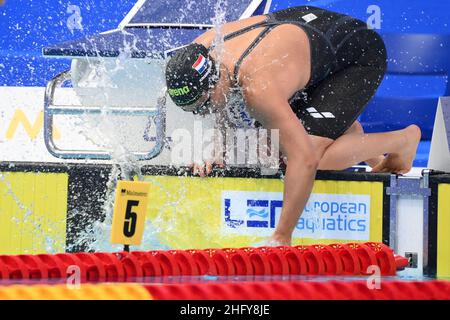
{"points": [[326, 216]]}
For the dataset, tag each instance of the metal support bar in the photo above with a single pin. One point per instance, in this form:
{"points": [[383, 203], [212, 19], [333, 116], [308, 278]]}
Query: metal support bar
{"points": [[393, 215], [116, 111], [158, 113], [404, 186], [426, 184], [407, 187]]}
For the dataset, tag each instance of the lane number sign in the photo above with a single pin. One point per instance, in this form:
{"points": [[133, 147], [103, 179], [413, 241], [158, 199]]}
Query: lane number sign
{"points": [[130, 208]]}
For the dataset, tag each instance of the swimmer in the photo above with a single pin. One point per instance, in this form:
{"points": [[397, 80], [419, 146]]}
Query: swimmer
{"points": [[305, 71]]}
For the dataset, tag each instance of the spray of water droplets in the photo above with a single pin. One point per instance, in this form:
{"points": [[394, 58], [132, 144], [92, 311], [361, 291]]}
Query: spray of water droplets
{"points": [[96, 237]]}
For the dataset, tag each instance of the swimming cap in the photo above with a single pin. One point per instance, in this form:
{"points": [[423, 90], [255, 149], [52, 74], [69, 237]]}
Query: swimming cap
{"points": [[189, 74]]}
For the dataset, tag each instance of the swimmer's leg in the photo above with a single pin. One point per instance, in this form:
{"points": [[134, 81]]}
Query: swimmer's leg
{"points": [[351, 149], [357, 128]]}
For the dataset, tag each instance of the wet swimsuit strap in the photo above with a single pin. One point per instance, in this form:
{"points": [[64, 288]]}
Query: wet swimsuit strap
{"points": [[246, 29], [269, 23], [268, 27], [252, 46]]}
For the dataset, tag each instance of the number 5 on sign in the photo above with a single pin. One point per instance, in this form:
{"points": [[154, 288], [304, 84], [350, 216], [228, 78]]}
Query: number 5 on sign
{"points": [[130, 208]]}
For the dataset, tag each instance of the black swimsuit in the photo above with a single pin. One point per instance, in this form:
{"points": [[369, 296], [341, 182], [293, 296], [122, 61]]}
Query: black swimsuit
{"points": [[348, 63]]}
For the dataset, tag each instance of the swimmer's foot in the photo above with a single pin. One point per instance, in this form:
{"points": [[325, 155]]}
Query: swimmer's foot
{"points": [[374, 161], [402, 161]]}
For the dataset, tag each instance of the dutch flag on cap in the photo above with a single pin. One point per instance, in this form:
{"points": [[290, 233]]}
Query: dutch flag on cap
{"points": [[201, 64]]}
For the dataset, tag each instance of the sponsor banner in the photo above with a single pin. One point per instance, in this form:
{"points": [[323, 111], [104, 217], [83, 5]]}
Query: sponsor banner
{"points": [[183, 212], [22, 124], [326, 216], [443, 231], [33, 211], [22, 127], [191, 212]]}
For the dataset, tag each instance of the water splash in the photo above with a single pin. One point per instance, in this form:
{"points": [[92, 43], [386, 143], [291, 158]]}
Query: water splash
{"points": [[103, 132], [220, 10], [97, 236]]}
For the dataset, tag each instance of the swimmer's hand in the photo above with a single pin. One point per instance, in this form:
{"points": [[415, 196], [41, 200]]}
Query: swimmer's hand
{"points": [[280, 240], [205, 168], [275, 241]]}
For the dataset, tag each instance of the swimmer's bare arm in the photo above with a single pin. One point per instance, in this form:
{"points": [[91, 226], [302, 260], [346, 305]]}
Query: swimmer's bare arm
{"points": [[275, 113], [206, 167]]}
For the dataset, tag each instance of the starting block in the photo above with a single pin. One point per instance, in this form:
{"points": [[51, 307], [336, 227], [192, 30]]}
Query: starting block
{"points": [[439, 158], [141, 44]]}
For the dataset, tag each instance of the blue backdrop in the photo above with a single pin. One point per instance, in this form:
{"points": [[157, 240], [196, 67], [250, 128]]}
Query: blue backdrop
{"points": [[417, 35]]}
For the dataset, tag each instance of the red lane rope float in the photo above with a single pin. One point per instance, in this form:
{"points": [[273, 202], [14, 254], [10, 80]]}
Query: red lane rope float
{"points": [[149, 264], [314, 260], [223, 264], [221, 292], [331, 259], [385, 258], [4, 272], [401, 262], [305, 289], [329, 290], [297, 265], [114, 269], [69, 260], [186, 262], [169, 266], [36, 267], [15, 268], [260, 262], [342, 291], [278, 263], [241, 261], [335, 259], [433, 289], [204, 262], [245, 291], [197, 291], [349, 259], [133, 264], [55, 267], [95, 268], [365, 255]]}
